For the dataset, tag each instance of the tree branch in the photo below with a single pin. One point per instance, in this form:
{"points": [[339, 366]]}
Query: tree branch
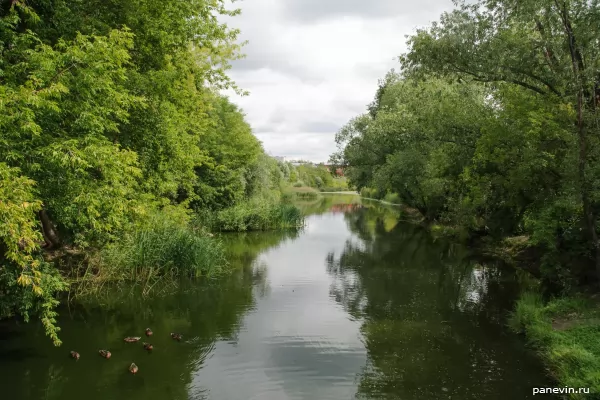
{"points": [[56, 76]]}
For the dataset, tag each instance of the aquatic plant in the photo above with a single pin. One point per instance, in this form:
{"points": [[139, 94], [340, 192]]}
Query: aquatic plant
{"points": [[164, 246]]}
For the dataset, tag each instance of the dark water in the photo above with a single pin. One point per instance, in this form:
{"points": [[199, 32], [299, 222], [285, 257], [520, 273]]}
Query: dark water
{"points": [[357, 305]]}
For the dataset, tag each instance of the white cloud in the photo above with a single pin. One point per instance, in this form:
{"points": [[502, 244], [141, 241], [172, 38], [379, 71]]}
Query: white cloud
{"points": [[309, 72]]}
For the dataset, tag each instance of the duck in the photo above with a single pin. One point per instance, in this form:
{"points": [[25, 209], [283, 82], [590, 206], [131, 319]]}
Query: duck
{"points": [[176, 336], [149, 332], [75, 355], [131, 339], [133, 368], [104, 353], [148, 346]]}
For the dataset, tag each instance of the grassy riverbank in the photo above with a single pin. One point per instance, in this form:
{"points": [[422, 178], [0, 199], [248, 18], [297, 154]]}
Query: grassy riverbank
{"points": [[566, 334]]}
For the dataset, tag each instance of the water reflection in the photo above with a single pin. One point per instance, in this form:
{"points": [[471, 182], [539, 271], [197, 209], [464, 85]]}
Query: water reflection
{"points": [[432, 315], [357, 305], [207, 313]]}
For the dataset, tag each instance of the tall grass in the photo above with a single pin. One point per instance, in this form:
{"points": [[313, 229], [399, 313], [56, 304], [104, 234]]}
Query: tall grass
{"points": [[566, 333], [253, 216], [304, 192], [163, 247]]}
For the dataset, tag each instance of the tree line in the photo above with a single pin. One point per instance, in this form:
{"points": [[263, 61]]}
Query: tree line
{"points": [[492, 124], [110, 111]]}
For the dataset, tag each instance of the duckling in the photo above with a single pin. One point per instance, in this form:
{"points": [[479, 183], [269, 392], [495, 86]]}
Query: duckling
{"points": [[104, 353], [133, 368], [131, 339], [149, 332], [148, 346], [176, 336], [75, 355]]}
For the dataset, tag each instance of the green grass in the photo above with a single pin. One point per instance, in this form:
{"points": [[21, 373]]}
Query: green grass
{"points": [[303, 192], [566, 333], [253, 216], [161, 247]]}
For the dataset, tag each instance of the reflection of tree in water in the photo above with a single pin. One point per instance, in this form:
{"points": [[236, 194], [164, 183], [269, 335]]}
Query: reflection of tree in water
{"points": [[432, 316], [204, 312], [325, 203]]}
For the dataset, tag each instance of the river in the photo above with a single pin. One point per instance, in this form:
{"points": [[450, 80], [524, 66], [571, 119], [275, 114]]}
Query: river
{"points": [[356, 305]]}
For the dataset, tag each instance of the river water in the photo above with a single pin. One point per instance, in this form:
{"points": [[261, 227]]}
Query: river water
{"points": [[357, 305]]}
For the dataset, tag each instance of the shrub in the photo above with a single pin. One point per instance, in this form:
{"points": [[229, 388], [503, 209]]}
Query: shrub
{"points": [[258, 215], [369, 193], [392, 198]]}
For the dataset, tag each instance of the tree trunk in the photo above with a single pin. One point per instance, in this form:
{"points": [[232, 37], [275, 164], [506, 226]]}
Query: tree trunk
{"points": [[588, 211], [583, 94], [49, 232]]}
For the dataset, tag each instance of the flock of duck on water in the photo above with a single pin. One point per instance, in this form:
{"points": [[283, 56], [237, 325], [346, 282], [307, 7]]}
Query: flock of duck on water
{"points": [[130, 339]]}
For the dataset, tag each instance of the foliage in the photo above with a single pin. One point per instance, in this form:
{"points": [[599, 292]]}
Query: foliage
{"points": [[392, 198], [302, 192], [565, 333], [255, 215], [492, 125], [163, 245], [369, 193], [316, 176], [110, 113], [28, 284], [421, 138]]}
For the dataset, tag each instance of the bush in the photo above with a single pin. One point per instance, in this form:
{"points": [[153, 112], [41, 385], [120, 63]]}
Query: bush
{"points": [[253, 216], [369, 193], [392, 198]]}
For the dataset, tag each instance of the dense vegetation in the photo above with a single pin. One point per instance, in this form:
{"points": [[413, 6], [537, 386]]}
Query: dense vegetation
{"points": [[492, 124], [492, 127], [112, 127], [317, 176], [565, 330]]}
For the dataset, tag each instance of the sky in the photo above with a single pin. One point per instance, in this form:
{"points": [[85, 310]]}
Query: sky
{"points": [[312, 65]]}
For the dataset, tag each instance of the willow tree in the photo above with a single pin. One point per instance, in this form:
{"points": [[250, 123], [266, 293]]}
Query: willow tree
{"points": [[550, 48], [415, 141]]}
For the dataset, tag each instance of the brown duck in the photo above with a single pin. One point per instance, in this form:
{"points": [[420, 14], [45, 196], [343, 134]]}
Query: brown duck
{"points": [[148, 346], [133, 368], [176, 336], [149, 332], [104, 353], [131, 339], [75, 355]]}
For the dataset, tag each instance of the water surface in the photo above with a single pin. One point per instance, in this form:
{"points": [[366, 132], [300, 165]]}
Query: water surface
{"points": [[357, 305]]}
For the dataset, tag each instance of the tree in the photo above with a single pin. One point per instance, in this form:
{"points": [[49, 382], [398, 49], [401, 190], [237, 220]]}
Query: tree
{"points": [[550, 48]]}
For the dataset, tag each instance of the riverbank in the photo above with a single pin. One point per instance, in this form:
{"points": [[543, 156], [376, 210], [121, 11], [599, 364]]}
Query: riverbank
{"points": [[348, 308], [565, 332], [177, 243]]}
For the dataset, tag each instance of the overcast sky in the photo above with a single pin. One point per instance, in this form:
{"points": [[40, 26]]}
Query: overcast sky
{"points": [[312, 65]]}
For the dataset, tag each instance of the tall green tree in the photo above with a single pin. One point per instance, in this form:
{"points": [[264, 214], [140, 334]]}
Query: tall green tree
{"points": [[109, 111], [549, 48]]}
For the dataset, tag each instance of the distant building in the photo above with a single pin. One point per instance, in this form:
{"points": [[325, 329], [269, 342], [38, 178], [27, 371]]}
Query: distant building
{"points": [[338, 171]]}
